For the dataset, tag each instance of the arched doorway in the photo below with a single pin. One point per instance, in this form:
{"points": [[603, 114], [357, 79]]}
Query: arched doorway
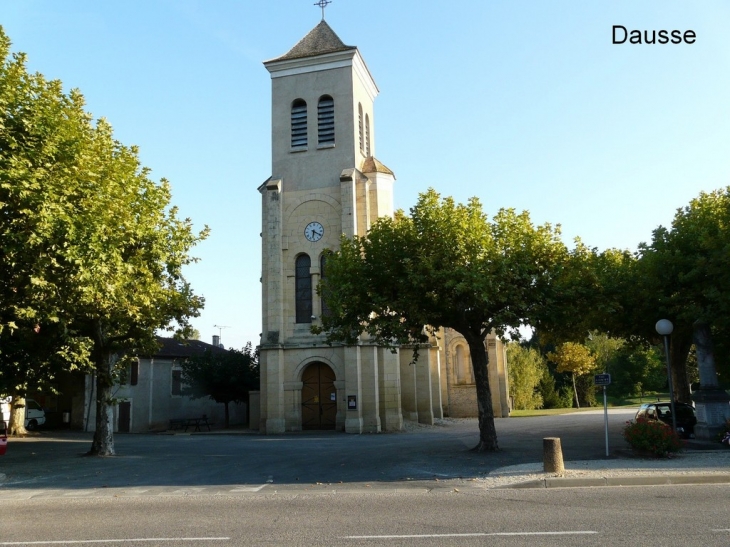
{"points": [[319, 397]]}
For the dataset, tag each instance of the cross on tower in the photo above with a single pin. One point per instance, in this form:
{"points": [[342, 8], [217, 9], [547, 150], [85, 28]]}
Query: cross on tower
{"points": [[323, 4]]}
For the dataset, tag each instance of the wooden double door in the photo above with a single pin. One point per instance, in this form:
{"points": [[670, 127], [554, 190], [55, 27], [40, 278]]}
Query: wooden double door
{"points": [[319, 397]]}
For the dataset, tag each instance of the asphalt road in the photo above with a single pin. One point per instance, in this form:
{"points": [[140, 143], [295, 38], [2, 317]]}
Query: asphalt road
{"points": [[54, 460], [666, 516]]}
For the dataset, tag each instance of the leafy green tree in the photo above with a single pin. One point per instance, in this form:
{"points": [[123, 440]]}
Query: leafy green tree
{"points": [[445, 265], [39, 141], [681, 275], [604, 348], [91, 243], [637, 370], [526, 368], [226, 376], [575, 359]]}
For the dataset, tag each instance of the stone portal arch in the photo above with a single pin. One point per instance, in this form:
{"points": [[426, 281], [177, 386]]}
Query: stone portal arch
{"points": [[319, 397]]}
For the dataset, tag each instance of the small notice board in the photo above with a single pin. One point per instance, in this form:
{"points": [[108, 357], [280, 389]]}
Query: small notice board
{"points": [[602, 379]]}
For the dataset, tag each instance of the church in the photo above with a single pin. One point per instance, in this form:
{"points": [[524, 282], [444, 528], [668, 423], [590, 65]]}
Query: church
{"points": [[325, 182]]}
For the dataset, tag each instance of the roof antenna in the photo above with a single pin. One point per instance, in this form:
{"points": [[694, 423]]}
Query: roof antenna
{"points": [[323, 4]]}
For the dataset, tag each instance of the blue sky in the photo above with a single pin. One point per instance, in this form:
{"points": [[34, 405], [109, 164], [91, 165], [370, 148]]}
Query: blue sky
{"points": [[525, 104]]}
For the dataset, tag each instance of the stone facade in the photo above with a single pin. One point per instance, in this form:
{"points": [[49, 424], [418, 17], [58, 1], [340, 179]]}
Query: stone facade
{"points": [[461, 397], [323, 185]]}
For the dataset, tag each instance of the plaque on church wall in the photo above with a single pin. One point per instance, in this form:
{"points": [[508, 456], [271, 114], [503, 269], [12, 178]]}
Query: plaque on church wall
{"points": [[352, 402]]}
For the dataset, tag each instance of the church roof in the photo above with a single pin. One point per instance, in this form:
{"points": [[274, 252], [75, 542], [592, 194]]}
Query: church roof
{"points": [[320, 40], [371, 165]]}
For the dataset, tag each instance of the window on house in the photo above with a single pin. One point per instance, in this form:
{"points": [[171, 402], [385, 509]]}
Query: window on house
{"points": [[176, 388], [367, 135], [359, 125], [326, 120], [134, 373], [303, 281], [299, 123]]}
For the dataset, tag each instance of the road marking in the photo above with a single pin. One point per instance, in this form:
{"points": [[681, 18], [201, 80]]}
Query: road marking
{"points": [[192, 490], [105, 541], [475, 534], [248, 488]]}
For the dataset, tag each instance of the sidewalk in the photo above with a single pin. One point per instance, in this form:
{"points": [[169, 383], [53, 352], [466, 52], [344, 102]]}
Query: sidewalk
{"points": [[688, 467]]}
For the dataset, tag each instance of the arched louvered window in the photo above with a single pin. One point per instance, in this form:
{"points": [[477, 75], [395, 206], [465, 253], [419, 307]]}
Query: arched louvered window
{"points": [[367, 136], [359, 125], [298, 123], [303, 280], [322, 269], [326, 120]]}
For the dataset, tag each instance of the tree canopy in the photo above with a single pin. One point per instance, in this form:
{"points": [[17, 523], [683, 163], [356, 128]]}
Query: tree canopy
{"points": [[526, 369], [93, 250], [574, 358], [444, 265], [226, 376]]}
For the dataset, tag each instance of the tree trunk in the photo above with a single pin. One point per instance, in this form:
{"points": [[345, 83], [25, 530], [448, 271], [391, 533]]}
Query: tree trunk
{"points": [[479, 361], [705, 350], [16, 426], [103, 443], [680, 344], [575, 390], [227, 416]]}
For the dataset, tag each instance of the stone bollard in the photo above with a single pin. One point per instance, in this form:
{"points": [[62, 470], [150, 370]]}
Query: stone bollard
{"points": [[552, 455]]}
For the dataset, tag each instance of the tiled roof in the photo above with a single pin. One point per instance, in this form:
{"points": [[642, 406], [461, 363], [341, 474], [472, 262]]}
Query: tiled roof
{"points": [[371, 165], [173, 348], [320, 40]]}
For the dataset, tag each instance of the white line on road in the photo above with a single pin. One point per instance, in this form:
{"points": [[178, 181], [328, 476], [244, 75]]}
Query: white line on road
{"points": [[475, 534], [86, 541], [248, 488]]}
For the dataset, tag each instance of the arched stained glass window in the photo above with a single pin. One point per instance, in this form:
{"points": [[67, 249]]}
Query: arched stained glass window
{"points": [[303, 281]]}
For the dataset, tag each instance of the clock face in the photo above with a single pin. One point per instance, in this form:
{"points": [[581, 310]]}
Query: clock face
{"points": [[314, 231]]}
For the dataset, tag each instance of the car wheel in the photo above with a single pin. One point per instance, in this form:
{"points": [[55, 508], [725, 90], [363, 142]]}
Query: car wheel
{"points": [[32, 425]]}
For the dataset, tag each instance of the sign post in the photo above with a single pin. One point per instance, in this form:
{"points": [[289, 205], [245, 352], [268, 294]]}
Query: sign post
{"points": [[604, 380]]}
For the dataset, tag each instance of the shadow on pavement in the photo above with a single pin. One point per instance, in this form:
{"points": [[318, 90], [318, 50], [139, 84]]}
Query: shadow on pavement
{"points": [[55, 460]]}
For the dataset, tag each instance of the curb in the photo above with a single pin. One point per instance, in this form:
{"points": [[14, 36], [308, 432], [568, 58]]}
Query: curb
{"points": [[646, 480]]}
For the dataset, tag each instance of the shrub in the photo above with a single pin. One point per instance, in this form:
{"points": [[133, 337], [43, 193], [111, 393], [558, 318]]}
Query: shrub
{"points": [[652, 437], [724, 435]]}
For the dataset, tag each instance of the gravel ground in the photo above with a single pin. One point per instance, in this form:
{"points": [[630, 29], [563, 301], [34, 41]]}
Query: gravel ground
{"points": [[688, 462], [691, 462]]}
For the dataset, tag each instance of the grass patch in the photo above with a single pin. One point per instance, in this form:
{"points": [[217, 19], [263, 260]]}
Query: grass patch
{"points": [[548, 411]]}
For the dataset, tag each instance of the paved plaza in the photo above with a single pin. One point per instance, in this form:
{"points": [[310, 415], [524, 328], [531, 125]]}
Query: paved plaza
{"points": [[244, 461]]}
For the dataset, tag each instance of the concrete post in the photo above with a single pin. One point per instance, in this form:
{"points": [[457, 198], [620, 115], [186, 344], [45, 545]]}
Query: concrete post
{"points": [[552, 455]]}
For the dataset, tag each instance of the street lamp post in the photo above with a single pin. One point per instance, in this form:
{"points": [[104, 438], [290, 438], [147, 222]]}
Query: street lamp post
{"points": [[664, 328]]}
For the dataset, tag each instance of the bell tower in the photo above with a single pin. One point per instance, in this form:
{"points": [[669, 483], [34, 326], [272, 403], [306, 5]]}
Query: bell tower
{"points": [[325, 182]]}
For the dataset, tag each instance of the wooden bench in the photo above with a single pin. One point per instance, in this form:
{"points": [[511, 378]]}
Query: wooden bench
{"points": [[185, 423]]}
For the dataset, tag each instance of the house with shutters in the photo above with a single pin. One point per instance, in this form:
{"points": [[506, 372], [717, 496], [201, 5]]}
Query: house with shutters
{"points": [[151, 393]]}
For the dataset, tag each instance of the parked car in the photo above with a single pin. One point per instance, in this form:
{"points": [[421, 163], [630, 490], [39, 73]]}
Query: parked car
{"points": [[3, 438], [34, 413], [686, 418]]}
